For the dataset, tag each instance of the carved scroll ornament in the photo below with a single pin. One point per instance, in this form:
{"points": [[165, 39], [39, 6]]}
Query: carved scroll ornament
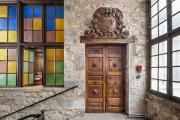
{"points": [[107, 23]]}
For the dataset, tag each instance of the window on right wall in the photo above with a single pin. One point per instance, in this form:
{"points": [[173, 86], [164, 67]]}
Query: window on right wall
{"points": [[165, 48]]}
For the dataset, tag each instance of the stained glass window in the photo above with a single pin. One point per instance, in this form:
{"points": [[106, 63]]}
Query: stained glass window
{"points": [[8, 67], [54, 24], [32, 23], [8, 23], [28, 67], [55, 66]]}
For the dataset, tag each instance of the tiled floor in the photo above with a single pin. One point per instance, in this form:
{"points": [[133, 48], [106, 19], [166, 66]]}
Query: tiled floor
{"points": [[104, 116]]}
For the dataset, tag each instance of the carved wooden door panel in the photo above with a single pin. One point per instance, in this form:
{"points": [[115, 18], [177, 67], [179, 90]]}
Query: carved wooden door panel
{"points": [[104, 79]]}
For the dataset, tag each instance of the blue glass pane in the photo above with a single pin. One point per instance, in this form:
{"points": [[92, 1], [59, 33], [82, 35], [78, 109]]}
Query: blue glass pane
{"points": [[50, 11], [3, 24], [12, 25], [11, 11], [49, 24], [60, 11], [28, 11], [37, 11]]}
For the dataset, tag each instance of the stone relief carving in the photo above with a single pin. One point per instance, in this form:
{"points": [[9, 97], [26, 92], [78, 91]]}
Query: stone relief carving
{"points": [[107, 23]]}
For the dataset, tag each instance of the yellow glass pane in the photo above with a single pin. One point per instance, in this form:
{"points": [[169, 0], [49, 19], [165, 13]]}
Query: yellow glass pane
{"points": [[50, 54], [3, 54], [59, 36], [37, 24], [59, 54], [3, 36], [50, 67], [25, 79], [11, 66], [12, 36], [59, 24], [3, 11], [26, 55]]}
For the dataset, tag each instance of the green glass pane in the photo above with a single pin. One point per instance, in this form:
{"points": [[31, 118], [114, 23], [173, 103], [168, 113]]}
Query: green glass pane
{"points": [[59, 66], [11, 79], [31, 56], [2, 79], [31, 76], [59, 79], [26, 67], [50, 79]]}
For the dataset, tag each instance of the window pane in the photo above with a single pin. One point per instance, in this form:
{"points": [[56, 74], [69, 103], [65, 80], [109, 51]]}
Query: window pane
{"points": [[163, 47], [154, 10], [154, 61], [163, 28], [163, 86], [163, 73], [176, 21], [163, 60], [154, 21], [154, 32], [154, 49], [176, 43], [153, 1], [154, 73], [176, 73], [162, 4], [175, 6], [176, 89], [154, 84], [176, 58], [163, 15]]}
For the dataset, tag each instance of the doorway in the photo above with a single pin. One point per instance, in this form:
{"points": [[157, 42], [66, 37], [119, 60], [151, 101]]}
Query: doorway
{"points": [[105, 78]]}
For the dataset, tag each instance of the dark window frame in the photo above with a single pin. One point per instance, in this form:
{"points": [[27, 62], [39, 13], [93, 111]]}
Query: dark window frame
{"points": [[168, 36], [20, 44]]}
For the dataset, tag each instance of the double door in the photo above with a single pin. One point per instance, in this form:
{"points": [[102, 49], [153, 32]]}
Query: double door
{"points": [[105, 78]]}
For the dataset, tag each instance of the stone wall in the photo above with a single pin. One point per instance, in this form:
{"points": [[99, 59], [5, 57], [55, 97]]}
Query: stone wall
{"points": [[78, 15], [162, 109]]}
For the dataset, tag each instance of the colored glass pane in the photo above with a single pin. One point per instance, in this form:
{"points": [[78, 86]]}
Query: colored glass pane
{"points": [[31, 56], [26, 55], [31, 80], [59, 24], [59, 67], [3, 66], [31, 67], [50, 67], [11, 79], [28, 11], [59, 36], [50, 36], [49, 24], [3, 54], [12, 36], [59, 54], [12, 24], [37, 11], [37, 36], [3, 36], [59, 79], [37, 24], [3, 24], [27, 36], [2, 79], [60, 11], [12, 54], [26, 67], [11, 66], [50, 11], [3, 11], [12, 11], [25, 79], [50, 54], [50, 79], [28, 24]]}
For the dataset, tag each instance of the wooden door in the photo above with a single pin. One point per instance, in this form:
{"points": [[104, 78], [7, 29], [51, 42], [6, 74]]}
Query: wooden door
{"points": [[105, 78]]}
